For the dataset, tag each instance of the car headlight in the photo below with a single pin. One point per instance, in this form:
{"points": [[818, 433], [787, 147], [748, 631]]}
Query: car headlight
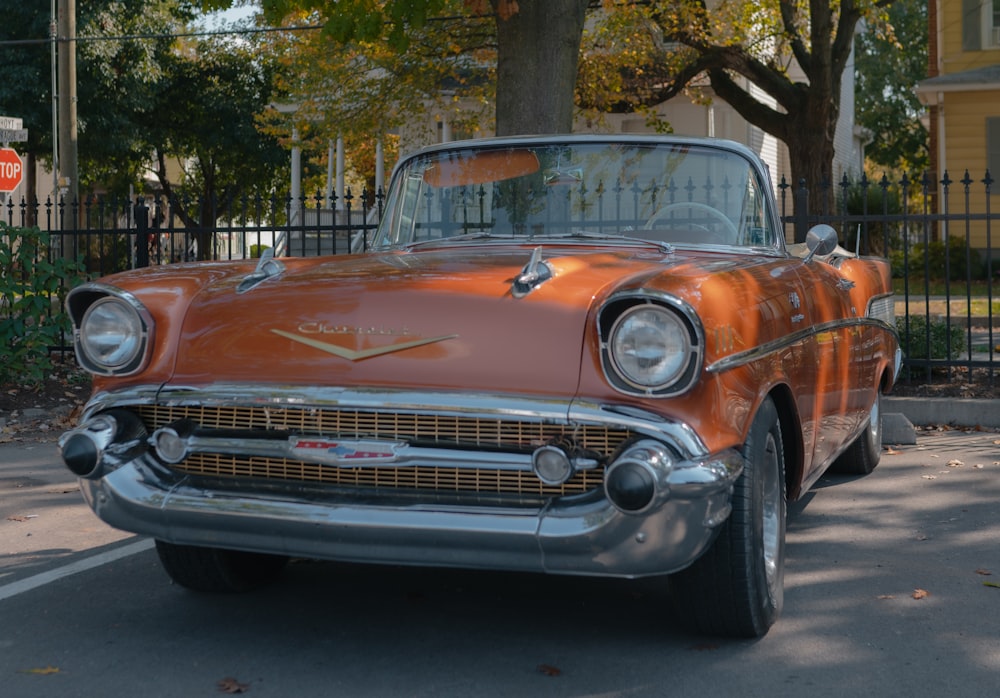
{"points": [[112, 337], [651, 348]]}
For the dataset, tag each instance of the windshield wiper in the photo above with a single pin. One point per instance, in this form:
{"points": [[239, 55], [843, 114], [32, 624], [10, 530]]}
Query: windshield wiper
{"points": [[464, 237], [617, 237]]}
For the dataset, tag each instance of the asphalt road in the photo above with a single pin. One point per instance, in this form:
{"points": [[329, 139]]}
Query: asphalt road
{"points": [[892, 589]]}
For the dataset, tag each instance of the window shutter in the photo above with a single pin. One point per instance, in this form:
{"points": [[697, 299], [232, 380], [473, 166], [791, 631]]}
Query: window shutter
{"points": [[993, 152], [972, 25]]}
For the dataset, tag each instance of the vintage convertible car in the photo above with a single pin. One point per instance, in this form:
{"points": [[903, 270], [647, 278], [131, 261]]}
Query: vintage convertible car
{"points": [[575, 355]]}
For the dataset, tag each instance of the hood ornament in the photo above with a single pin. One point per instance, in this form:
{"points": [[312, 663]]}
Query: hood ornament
{"points": [[267, 267], [536, 272]]}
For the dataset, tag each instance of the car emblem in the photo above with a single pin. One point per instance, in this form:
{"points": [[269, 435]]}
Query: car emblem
{"points": [[360, 354], [344, 452]]}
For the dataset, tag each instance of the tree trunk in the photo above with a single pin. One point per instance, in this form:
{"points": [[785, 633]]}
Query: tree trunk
{"points": [[807, 128], [811, 162], [541, 33]]}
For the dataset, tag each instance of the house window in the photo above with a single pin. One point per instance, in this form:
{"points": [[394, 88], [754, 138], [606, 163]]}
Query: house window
{"points": [[993, 152], [993, 23], [980, 24]]}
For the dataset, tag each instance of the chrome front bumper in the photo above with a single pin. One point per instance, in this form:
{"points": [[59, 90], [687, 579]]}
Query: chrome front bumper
{"points": [[134, 491]]}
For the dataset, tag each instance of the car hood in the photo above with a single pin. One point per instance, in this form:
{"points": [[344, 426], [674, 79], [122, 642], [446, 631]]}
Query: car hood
{"points": [[429, 320]]}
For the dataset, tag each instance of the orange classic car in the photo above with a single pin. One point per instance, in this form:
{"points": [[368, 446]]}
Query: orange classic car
{"points": [[578, 355]]}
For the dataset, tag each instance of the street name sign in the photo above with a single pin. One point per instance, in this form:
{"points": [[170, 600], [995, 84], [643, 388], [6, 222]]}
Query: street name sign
{"points": [[16, 135]]}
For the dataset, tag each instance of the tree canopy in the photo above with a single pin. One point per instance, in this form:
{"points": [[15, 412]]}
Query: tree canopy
{"points": [[145, 96], [779, 63], [891, 59]]}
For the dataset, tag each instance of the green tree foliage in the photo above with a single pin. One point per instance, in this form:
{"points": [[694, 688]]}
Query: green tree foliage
{"points": [[778, 63], [114, 78], [147, 98], [890, 60], [203, 116]]}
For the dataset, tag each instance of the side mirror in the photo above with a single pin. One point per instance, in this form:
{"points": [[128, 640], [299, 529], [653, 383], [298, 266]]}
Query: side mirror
{"points": [[820, 240]]}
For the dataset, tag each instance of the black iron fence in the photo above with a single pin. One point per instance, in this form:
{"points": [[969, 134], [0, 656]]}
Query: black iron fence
{"points": [[937, 232], [111, 234]]}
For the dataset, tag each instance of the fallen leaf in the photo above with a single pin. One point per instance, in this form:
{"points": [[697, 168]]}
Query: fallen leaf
{"points": [[929, 477], [549, 670], [892, 452], [920, 594], [978, 466], [42, 672], [955, 463], [884, 597], [232, 686], [991, 584], [14, 517], [985, 573], [705, 647]]}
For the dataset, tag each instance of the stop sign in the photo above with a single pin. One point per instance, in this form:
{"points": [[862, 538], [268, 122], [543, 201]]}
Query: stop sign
{"points": [[11, 169]]}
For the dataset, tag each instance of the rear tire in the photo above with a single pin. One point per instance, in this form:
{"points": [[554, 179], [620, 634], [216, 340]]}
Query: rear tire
{"points": [[736, 588], [864, 453], [216, 569]]}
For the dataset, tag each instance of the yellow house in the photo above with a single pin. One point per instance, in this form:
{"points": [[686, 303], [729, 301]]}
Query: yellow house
{"points": [[962, 92]]}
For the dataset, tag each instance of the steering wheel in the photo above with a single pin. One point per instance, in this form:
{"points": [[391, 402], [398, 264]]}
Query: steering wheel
{"points": [[714, 212]]}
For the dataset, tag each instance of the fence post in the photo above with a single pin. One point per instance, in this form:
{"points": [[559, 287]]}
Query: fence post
{"points": [[801, 212], [141, 233]]}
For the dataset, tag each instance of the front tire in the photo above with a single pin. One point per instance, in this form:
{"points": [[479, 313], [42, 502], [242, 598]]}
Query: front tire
{"points": [[736, 588], [216, 569], [864, 453]]}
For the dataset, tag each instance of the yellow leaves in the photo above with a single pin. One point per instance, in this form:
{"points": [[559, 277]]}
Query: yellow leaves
{"points": [[986, 573], [231, 686], [919, 594], [507, 9], [43, 671]]}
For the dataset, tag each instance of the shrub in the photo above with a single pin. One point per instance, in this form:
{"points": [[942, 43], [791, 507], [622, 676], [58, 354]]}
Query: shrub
{"points": [[873, 200], [32, 290], [930, 260], [946, 341], [257, 250]]}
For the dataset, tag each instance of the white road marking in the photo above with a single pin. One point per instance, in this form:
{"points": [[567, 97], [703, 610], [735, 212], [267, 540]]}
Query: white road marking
{"points": [[88, 563]]}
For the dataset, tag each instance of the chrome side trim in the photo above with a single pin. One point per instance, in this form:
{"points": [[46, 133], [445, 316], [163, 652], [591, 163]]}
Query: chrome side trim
{"points": [[747, 356]]}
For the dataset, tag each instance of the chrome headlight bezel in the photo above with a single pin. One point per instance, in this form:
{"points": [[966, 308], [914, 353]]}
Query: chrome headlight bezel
{"points": [[670, 326], [112, 331]]}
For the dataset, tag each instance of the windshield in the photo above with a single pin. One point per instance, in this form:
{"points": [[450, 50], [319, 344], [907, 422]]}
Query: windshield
{"points": [[677, 193]]}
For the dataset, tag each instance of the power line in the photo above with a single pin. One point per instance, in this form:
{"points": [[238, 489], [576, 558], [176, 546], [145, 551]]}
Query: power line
{"points": [[179, 35]]}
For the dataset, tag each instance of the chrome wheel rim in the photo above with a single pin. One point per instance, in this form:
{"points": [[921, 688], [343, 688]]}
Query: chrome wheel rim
{"points": [[875, 422], [773, 517]]}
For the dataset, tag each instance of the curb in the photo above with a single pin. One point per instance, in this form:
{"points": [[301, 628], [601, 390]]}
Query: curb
{"points": [[899, 414], [959, 412]]}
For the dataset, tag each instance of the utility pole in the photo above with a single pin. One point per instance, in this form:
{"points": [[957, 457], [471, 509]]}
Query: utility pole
{"points": [[68, 177]]}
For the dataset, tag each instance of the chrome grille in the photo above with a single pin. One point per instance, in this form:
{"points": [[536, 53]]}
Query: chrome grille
{"points": [[431, 429], [438, 479]]}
